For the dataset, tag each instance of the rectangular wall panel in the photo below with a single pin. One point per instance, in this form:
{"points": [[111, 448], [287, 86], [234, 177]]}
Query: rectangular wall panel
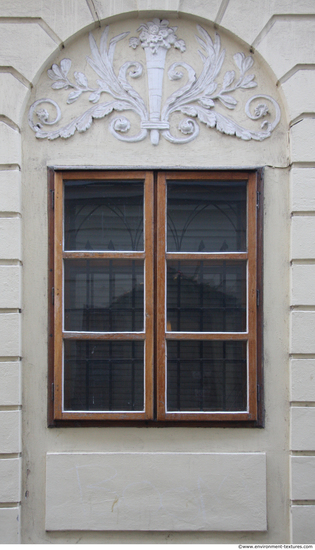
{"points": [[303, 524], [302, 428], [156, 491], [303, 477]]}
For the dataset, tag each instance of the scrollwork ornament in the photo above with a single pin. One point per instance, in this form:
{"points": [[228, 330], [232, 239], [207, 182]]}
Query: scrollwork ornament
{"points": [[196, 99]]}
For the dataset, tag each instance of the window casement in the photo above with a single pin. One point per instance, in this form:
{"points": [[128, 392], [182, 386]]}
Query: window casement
{"points": [[155, 314]]}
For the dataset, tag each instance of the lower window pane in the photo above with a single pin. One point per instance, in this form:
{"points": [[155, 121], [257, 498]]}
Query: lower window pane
{"points": [[204, 375], [103, 375]]}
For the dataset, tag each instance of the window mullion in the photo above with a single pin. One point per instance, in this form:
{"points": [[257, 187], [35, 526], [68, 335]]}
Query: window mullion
{"points": [[161, 296]]}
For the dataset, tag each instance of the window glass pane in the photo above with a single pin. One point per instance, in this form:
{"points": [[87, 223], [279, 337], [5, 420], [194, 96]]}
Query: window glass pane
{"points": [[206, 296], [103, 375], [103, 215], [104, 295], [206, 216], [206, 376]]}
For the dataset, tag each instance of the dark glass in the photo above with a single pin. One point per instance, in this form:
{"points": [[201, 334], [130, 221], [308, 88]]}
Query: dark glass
{"points": [[206, 296], [103, 215], [104, 295], [206, 216], [206, 376], [103, 375]]}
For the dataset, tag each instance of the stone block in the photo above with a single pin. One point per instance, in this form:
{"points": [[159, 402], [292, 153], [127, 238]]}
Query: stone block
{"points": [[156, 491], [302, 372], [303, 237], [303, 140], [247, 20], [303, 428], [10, 480], [156, 5], [303, 524], [64, 17], [302, 332], [13, 95], [10, 239], [10, 525], [303, 477], [200, 8], [290, 41], [10, 334], [302, 189], [298, 91], [303, 288], [10, 432], [10, 383], [10, 145], [106, 9], [10, 191], [10, 286], [25, 47]]}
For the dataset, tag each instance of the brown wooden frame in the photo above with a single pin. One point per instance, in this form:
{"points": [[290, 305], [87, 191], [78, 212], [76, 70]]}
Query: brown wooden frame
{"points": [[155, 207], [251, 333], [60, 334]]}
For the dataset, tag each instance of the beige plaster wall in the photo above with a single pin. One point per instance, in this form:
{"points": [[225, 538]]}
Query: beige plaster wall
{"points": [[97, 147], [32, 33]]}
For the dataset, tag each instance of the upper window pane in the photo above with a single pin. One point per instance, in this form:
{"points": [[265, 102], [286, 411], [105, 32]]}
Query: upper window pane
{"points": [[103, 215], [207, 216]]}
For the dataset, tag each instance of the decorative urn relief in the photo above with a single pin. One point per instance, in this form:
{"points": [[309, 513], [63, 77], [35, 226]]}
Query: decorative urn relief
{"points": [[197, 99]]}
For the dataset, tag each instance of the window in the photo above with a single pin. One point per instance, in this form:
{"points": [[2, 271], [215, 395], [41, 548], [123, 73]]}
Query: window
{"points": [[155, 280]]}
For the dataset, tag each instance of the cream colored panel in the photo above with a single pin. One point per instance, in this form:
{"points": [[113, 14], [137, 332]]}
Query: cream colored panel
{"points": [[303, 428], [13, 95], [303, 188], [298, 91], [303, 288], [10, 191], [10, 144], [303, 524], [10, 334], [303, 140], [302, 332], [303, 237], [10, 383], [247, 19], [10, 474], [303, 477], [10, 239], [201, 8], [10, 525], [156, 491], [10, 436], [10, 286], [64, 17], [302, 379], [288, 42], [25, 47], [104, 8]]}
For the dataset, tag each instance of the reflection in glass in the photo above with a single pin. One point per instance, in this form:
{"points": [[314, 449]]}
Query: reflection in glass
{"points": [[104, 295], [206, 296], [103, 375], [206, 216], [206, 375], [103, 215]]}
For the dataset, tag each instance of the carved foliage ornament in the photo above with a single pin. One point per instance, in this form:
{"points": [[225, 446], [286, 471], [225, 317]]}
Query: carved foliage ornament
{"points": [[196, 99]]}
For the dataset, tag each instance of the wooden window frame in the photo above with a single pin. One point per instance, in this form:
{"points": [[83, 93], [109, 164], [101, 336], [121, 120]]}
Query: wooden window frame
{"points": [[155, 333]]}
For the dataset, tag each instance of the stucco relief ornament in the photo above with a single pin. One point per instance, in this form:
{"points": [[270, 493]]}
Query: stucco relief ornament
{"points": [[197, 99]]}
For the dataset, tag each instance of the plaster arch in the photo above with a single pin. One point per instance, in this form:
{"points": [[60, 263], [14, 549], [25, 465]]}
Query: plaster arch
{"points": [[219, 122]]}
